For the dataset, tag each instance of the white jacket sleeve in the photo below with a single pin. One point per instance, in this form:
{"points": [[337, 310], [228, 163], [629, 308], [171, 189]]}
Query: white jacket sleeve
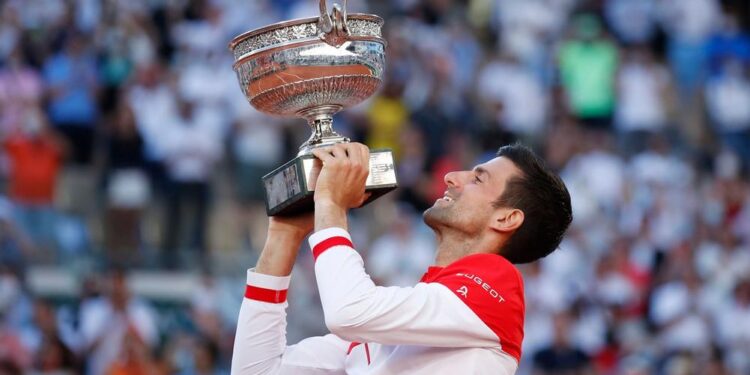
{"points": [[356, 309], [260, 342]]}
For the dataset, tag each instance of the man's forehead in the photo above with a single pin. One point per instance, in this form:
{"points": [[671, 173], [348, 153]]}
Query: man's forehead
{"points": [[500, 168]]}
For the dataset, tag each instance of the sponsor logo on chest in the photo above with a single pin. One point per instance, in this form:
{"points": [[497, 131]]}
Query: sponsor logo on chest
{"points": [[483, 284]]}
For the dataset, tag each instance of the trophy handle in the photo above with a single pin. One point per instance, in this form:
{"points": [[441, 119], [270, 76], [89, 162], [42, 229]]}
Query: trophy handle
{"points": [[333, 27]]}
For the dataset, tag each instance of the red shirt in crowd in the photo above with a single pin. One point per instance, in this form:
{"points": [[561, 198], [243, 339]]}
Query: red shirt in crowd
{"points": [[34, 164]]}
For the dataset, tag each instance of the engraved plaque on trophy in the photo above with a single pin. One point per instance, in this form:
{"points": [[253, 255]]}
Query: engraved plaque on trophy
{"points": [[313, 68]]}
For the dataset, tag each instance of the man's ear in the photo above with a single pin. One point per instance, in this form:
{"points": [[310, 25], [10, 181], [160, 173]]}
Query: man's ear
{"points": [[506, 220]]}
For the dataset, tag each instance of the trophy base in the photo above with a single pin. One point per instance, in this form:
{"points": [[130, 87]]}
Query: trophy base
{"points": [[287, 187]]}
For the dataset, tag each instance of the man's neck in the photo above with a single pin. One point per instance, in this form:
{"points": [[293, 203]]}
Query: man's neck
{"points": [[452, 246]]}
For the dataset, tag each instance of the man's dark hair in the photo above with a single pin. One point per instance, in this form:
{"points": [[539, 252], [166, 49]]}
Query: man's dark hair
{"points": [[544, 200]]}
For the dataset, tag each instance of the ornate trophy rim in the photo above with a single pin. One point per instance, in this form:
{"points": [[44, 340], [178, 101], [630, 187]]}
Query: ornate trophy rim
{"points": [[239, 60], [301, 21]]}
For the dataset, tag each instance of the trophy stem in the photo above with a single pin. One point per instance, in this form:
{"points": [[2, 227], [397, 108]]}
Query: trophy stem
{"points": [[320, 120]]}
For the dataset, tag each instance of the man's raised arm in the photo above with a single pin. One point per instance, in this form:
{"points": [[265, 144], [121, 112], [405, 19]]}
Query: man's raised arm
{"points": [[260, 341]]}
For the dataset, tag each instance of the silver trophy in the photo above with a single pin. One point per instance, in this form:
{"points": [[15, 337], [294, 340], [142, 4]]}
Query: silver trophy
{"points": [[313, 68]]}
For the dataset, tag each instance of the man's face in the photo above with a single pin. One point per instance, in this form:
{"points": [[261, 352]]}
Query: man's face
{"points": [[467, 204]]}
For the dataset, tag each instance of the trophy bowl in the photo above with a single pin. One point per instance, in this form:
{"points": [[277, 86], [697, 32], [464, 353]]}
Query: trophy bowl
{"points": [[287, 68], [313, 68]]}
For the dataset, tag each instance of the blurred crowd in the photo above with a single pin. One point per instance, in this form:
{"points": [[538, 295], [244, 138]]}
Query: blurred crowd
{"points": [[127, 144]]}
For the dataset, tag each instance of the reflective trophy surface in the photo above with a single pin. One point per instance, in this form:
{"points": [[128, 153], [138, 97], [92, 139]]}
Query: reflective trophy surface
{"points": [[313, 68]]}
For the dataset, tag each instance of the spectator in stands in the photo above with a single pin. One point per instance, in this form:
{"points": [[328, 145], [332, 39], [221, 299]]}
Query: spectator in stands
{"points": [[35, 157], [561, 357], [114, 325], [206, 356], [73, 82], [516, 96], [587, 66], [191, 154], [727, 98], [10, 30], [634, 22], [678, 309], [730, 42], [387, 116], [127, 185], [524, 26], [205, 305], [643, 89], [16, 248], [257, 145], [54, 354], [134, 358], [413, 184], [689, 24], [153, 99], [15, 357], [732, 321], [400, 256], [21, 90]]}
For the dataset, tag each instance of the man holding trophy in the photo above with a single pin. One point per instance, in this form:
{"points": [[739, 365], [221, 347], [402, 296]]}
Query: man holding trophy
{"points": [[466, 314]]}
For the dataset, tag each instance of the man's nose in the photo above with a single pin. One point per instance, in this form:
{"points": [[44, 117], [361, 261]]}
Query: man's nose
{"points": [[452, 179]]}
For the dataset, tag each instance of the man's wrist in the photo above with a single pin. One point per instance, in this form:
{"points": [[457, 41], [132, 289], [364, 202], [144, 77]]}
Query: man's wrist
{"points": [[278, 232], [326, 203], [280, 251], [329, 214], [278, 256]]}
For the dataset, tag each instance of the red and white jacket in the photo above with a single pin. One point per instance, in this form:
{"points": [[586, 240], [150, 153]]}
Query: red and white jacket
{"points": [[465, 318]]}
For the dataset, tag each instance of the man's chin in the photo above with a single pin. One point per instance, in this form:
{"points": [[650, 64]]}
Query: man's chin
{"points": [[435, 217]]}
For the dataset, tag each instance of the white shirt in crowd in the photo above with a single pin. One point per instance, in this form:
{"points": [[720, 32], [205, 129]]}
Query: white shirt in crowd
{"points": [[633, 21], [523, 97], [640, 104], [690, 20], [191, 150], [400, 256], [153, 108], [728, 101], [104, 329]]}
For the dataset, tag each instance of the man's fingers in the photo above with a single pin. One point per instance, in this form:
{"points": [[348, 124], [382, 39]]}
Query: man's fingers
{"points": [[352, 156], [345, 168], [323, 153], [315, 173], [365, 155], [351, 152], [339, 151], [365, 197], [363, 158], [355, 153]]}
